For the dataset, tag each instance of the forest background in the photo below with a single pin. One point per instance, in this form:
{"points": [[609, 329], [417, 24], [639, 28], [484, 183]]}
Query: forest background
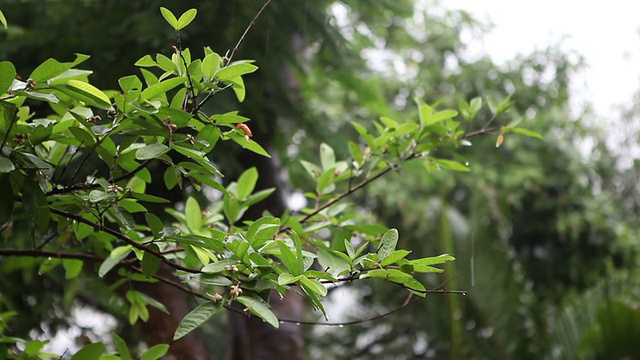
{"points": [[544, 230]]}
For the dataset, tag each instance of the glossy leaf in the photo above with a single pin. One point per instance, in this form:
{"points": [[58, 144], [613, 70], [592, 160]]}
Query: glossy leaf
{"points": [[196, 318], [121, 346], [186, 19], [169, 17], [86, 93], [260, 309], [72, 268], [246, 183], [234, 70], [193, 214], [3, 20], [155, 352], [6, 165], [90, 352], [388, 243], [161, 88], [7, 75]]}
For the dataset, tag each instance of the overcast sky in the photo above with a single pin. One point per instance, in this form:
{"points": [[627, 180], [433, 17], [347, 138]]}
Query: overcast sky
{"points": [[605, 33]]}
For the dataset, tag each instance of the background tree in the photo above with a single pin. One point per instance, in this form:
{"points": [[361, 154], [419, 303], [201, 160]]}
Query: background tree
{"points": [[538, 216]]}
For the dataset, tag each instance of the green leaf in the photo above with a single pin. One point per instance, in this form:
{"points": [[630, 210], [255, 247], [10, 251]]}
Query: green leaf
{"points": [[161, 87], [260, 309], [438, 117], [196, 318], [72, 268], [155, 224], [246, 183], [6, 165], [238, 88], [450, 164], [315, 285], [193, 214], [149, 198], [327, 157], [287, 278], [388, 244], [186, 18], [117, 255], [3, 20], [155, 352], [90, 352], [86, 93], [356, 152], [150, 264], [504, 105], [153, 302], [82, 136], [289, 258], [350, 250], [33, 347], [171, 19], [298, 245], [475, 105], [434, 260], [151, 151], [130, 83], [312, 169], [96, 196], [228, 118], [145, 61], [121, 345], [522, 131], [262, 230], [7, 75], [234, 70], [251, 145], [210, 66], [394, 257], [49, 69], [218, 266]]}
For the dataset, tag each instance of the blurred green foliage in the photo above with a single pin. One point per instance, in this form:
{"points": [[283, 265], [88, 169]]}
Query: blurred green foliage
{"points": [[538, 224]]}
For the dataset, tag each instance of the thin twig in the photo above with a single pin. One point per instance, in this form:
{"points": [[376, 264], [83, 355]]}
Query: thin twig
{"points": [[247, 31], [124, 238], [85, 186]]}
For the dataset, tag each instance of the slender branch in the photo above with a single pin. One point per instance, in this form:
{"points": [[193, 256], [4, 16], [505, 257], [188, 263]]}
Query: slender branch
{"points": [[124, 238], [483, 130], [247, 31], [348, 192], [230, 57], [178, 50], [85, 186], [50, 254]]}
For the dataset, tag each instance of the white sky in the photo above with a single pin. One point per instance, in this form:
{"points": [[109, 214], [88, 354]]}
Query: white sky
{"points": [[605, 33]]}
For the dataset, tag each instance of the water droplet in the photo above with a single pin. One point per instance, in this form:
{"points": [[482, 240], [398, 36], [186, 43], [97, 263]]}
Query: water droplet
{"points": [[466, 164], [464, 294], [341, 326], [298, 324], [49, 258]]}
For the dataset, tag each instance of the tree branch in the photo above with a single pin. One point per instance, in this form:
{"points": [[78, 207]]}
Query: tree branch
{"points": [[124, 238], [247, 31]]}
